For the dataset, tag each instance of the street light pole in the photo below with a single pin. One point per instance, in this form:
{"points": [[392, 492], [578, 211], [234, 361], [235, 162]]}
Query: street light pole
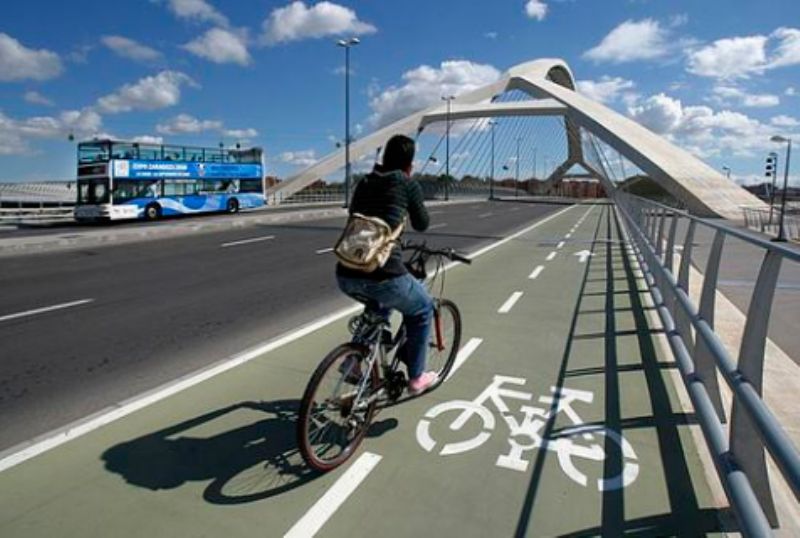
{"points": [[492, 123], [447, 98], [774, 173], [781, 232], [516, 183], [347, 44], [727, 172]]}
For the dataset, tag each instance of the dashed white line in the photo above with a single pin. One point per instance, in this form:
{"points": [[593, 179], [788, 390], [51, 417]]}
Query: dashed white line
{"points": [[464, 353], [246, 241], [325, 507], [483, 216], [44, 309], [568, 235], [536, 272], [551, 256], [324, 250], [437, 226], [560, 245], [510, 302]]}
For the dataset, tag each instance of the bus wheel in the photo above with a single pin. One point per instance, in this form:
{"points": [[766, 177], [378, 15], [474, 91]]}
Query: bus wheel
{"points": [[152, 212], [233, 205]]}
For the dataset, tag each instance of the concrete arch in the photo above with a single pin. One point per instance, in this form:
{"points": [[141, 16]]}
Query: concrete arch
{"points": [[704, 190]]}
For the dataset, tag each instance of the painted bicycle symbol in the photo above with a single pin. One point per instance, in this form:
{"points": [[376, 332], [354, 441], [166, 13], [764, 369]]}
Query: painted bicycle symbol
{"points": [[571, 444]]}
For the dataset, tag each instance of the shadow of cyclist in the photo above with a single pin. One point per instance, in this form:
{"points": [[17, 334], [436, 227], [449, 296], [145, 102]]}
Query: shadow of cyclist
{"points": [[245, 464]]}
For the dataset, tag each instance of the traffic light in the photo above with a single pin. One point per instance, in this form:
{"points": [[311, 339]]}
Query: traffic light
{"points": [[772, 163]]}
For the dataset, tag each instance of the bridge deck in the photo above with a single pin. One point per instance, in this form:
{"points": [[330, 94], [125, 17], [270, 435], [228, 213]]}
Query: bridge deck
{"points": [[219, 459]]}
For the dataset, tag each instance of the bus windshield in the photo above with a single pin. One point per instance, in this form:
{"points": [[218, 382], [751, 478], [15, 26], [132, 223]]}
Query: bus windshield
{"points": [[93, 191]]}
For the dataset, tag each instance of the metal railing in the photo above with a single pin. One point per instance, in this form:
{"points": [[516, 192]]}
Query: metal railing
{"points": [[766, 221], [35, 214], [739, 455]]}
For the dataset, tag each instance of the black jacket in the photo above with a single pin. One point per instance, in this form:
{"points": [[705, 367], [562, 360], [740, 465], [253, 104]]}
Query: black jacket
{"points": [[389, 196]]}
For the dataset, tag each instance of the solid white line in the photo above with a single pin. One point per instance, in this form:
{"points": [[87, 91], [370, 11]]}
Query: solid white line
{"points": [[325, 507], [463, 354], [44, 309], [510, 302], [29, 449], [435, 226], [324, 250], [536, 272], [484, 215], [245, 241], [551, 256], [560, 245]]}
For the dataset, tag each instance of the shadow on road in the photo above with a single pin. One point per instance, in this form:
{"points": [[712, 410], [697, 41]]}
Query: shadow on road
{"points": [[250, 463]]}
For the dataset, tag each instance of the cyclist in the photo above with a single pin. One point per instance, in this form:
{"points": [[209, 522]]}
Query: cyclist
{"points": [[390, 194]]}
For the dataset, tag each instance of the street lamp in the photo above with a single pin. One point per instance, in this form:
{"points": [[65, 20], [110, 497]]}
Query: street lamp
{"points": [[516, 182], [447, 98], [727, 171], [347, 44], [781, 139], [492, 124], [772, 172]]}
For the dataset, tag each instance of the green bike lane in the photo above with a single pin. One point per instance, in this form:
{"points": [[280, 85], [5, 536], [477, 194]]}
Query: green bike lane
{"points": [[219, 458]]}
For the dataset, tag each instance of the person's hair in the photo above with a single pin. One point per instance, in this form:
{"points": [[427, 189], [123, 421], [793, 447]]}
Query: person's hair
{"points": [[398, 153]]}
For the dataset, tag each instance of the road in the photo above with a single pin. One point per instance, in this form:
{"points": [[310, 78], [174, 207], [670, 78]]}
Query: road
{"points": [[553, 330], [162, 308]]}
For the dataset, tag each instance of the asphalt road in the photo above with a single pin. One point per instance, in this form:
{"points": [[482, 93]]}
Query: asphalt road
{"points": [[163, 308]]}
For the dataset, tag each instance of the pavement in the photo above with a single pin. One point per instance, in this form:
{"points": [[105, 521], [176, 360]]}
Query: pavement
{"points": [[581, 431]]}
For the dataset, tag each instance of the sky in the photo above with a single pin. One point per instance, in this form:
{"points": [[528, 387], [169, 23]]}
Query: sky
{"points": [[717, 77]]}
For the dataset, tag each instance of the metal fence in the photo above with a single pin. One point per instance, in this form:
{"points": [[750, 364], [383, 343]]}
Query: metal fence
{"points": [[766, 221], [738, 455], [430, 192], [25, 215]]}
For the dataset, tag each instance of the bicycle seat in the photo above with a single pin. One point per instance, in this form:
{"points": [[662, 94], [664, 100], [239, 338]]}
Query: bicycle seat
{"points": [[371, 304]]}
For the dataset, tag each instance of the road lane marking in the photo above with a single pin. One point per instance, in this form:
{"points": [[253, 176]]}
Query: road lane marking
{"points": [[324, 250], [568, 235], [536, 272], [435, 212], [44, 309], [485, 215], [464, 353], [246, 241], [551, 256], [24, 451], [327, 505], [510, 302], [435, 226], [560, 245]]}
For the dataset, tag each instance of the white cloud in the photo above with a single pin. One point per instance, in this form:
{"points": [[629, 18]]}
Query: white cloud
{"points": [[240, 133], [491, 35], [184, 123], [741, 57], [37, 98], [536, 9], [298, 158], [424, 86], [128, 48], [15, 135], [790, 91], [221, 46], [298, 21], [198, 10], [631, 41], [149, 93], [148, 139], [18, 62], [736, 96], [784, 121], [605, 90]]}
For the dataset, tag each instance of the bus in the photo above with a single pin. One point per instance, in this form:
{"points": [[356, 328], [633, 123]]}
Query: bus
{"points": [[132, 180]]}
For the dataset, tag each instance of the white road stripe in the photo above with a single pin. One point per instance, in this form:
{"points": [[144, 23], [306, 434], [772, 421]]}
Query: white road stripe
{"points": [[44, 309], [536, 272], [510, 302], [246, 241], [551, 256], [324, 250], [327, 505], [435, 212], [485, 215], [463, 354], [560, 245], [435, 226], [568, 235]]}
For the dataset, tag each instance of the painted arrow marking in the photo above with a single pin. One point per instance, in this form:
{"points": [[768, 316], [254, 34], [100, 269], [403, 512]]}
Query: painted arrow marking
{"points": [[583, 255]]}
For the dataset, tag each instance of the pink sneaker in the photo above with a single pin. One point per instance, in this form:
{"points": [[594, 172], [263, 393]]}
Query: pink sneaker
{"points": [[422, 383]]}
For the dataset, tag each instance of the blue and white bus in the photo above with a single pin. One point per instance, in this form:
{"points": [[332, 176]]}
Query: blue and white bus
{"points": [[131, 180]]}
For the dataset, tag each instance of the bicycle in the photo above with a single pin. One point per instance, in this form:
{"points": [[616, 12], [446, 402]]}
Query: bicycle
{"points": [[341, 397]]}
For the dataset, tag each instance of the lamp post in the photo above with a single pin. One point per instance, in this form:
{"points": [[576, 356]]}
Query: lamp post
{"points": [[781, 139], [347, 44], [727, 171], [516, 182], [447, 98], [772, 171], [492, 124]]}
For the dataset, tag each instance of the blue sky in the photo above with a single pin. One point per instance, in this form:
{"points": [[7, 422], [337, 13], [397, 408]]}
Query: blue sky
{"points": [[717, 77]]}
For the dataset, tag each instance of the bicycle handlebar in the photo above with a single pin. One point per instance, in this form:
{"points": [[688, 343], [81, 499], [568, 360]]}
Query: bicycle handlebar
{"points": [[446, 252]]}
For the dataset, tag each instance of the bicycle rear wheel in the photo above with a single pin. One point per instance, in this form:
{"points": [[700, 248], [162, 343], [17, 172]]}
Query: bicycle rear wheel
{"points": [[445, 339], [331, 422]]}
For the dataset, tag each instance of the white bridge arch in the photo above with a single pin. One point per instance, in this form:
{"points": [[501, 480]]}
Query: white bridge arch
{"points": [[551, 85]]}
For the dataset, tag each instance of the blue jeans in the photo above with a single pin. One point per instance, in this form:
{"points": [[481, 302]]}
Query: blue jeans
{"points": [[408, 296]]}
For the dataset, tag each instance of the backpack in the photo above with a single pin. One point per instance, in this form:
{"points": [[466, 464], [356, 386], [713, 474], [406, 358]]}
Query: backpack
{"points": [[366, 243]]}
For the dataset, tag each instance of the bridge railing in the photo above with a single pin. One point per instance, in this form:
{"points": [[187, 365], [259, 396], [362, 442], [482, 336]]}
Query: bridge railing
{"points": [[767, 221], [737, 451], [35, 214]]}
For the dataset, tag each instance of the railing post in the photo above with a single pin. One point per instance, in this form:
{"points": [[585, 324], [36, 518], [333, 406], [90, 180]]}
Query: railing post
{"points": [[671, 243], [746, 444], [682, 323], [659, 241]]}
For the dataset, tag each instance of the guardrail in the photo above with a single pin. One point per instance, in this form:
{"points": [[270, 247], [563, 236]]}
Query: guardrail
{"points": [[738, 455], [337, 195], [38, 214], [766, 221]]}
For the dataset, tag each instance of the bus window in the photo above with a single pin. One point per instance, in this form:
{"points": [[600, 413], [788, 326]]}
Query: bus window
{"points": [[93, 152], [128, 190], [93, 191]]}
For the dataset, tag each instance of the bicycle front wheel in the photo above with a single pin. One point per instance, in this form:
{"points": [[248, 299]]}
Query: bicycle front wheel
{"points": [[333, 419], [444, 340]]}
